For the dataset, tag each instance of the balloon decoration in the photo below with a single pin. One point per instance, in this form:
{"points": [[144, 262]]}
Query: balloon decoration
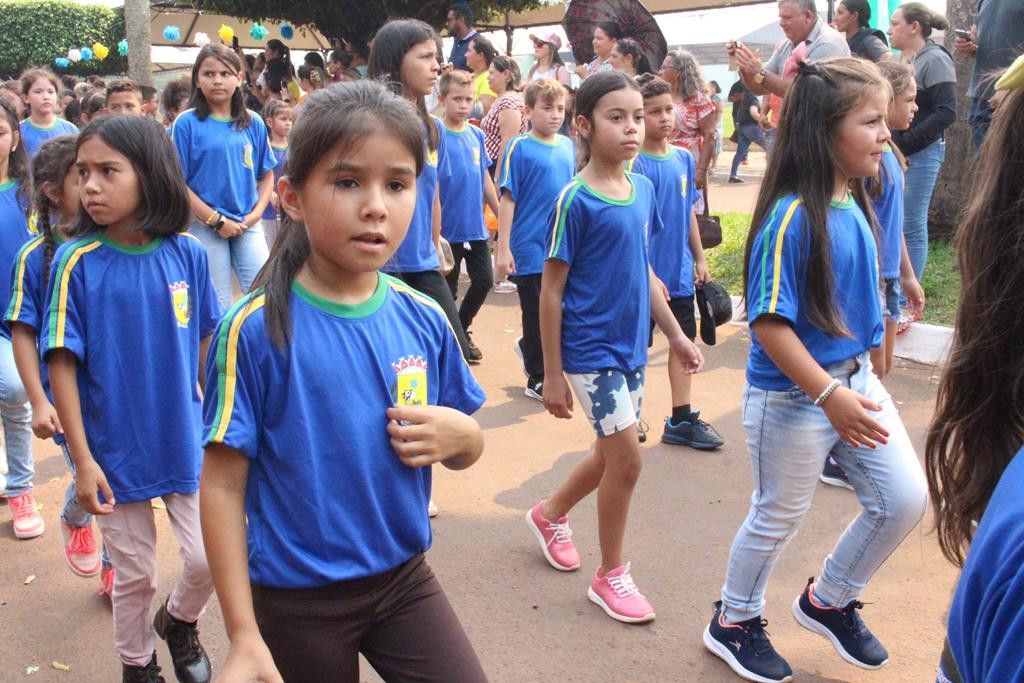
{"points": [[287, 31], [226, 33], [62, 62], [74, 55], [202, 39], [86, 53], [122, 47], [172, 33], [100, 50], [258, 32]]}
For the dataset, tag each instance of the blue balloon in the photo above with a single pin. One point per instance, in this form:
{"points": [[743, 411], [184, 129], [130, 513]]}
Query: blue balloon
{"points": [[172, 33], [287, 32], [122, 47], [62, 62], [86, 54]]}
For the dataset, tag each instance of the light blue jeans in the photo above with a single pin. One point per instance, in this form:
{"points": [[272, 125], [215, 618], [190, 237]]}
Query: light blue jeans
{"points": [[922, 172], [788, 439], [244, 254], [72, 513], [16, 414]]}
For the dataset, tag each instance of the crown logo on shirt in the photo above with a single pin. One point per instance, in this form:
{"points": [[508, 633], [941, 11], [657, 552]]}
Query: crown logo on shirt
{"points": [[180, 302], [411, 385], [409, 364]]}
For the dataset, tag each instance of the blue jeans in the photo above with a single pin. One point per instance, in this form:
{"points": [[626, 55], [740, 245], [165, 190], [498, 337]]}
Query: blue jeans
{"points": [[788, 439], [16, 414], [244, 254], [979, 117], [920, 177], [746, 134], [72, 513]]}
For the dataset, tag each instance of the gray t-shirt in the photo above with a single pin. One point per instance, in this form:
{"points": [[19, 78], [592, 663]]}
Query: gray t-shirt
{"points": [[823, 41], [1000, 39]]}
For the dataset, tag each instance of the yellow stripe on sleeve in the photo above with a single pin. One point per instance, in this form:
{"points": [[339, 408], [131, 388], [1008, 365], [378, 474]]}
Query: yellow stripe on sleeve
{"points": [[19, 279], [779, 240], [230, 369], [65, 278]]}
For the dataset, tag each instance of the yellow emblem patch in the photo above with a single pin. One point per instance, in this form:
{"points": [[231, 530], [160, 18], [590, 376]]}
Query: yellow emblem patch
{"points": [[411, 385], [181, 304], [476, 156], [247, 156], [682, 181], [432, 157]]}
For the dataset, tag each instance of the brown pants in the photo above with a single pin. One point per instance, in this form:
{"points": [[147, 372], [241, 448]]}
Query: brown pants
{"points": [[401, 621]]}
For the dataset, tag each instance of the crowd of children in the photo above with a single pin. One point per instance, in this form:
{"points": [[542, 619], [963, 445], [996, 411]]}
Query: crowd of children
{"points": [[331, 211]]}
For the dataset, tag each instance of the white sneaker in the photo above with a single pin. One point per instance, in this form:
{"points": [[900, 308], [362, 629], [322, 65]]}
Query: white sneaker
{"points": [[431, 509]]}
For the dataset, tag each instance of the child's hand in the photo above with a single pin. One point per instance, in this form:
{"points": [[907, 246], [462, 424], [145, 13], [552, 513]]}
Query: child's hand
{"points": [[45, 422], [914, 293], [435, 434], [230, 229], [504, 264], [249, 660], [557, 395], [703, 274], [89, 479], [663, 289], [690, 358], [847, 411]]}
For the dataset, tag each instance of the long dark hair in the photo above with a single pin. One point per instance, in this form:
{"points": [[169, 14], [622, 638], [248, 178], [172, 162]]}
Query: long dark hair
{"points": [[978, 423], [17, 160], [862, 8], [239, 114], [52, 163], [590, 93], [388, 50], [628, 46], [803, 163], [163, 201], [334, 120]]}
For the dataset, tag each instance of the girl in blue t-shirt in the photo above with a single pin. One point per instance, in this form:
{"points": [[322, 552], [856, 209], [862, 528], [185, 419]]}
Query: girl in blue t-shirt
{"points": [[40, 89], [56, 204], [811, 292], [15, 410], [131, 307], [598, 294], [224, 150], [278, 116], [404, 53], [314, 507]]}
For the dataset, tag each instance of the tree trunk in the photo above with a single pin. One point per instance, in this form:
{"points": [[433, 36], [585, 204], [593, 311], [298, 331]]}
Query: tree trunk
{"points": [[955, 179], [136, 21]]}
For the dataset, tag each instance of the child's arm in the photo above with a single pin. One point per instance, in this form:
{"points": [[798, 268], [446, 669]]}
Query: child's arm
{"points": [[45, 422], [265, 185], [435, 434], [201, 210], [490, 194], [700, 262], [557, 396], [89, 478], [503, 261], [908, 281], [204, 349], [845, 408], [689, 355], [222, 515], [435, 218]]}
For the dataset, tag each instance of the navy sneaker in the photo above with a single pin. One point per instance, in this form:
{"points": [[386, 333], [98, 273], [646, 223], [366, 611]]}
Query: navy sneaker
{"points": [[843, 627], [535, 388], [473, 354], [746, 649], [695, 433], [834, 475]]}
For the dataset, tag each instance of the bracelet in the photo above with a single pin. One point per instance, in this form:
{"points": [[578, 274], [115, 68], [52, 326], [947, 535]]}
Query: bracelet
{"points": [[829, 390], [209, 219]]}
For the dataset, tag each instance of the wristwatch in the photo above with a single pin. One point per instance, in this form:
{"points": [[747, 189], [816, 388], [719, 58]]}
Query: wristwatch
{"points": [[759, 76]]}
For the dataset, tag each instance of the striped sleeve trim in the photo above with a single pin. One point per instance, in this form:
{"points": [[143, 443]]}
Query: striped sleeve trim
{"points": [[59, 302], [18, 286], [508, 157], [766, 250], [227, 361], [402, 288], [561, 211]]}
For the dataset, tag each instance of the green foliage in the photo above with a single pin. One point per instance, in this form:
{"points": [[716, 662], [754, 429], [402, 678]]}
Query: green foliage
{"points": [[355, 20], [38, 31]]}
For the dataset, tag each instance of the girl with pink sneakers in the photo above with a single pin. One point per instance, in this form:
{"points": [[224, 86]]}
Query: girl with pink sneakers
{"points": [[597, 295]]}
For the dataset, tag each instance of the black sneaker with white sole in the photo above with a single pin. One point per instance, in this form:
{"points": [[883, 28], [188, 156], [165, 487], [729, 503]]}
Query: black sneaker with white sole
{"points": [[535, 388], [746, 649], [473, 354], [834, 475], [843, 627]]}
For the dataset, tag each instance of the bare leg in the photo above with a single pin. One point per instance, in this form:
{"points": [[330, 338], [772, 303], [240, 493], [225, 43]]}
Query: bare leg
{"points": [[621, 453], [583, 479], [890, 344], [678, 381]]}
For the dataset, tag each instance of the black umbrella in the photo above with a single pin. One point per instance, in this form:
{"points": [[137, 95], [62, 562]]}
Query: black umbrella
{"points": [[632, 18]]}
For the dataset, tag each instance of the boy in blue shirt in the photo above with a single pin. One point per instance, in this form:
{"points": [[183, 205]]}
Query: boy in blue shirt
{"points": [[535, 168], [462, 206], [676, 252]]}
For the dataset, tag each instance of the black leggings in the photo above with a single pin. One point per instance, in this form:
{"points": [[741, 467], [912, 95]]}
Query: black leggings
{"points": [[481, 274], [432, 283], [528, 288]]}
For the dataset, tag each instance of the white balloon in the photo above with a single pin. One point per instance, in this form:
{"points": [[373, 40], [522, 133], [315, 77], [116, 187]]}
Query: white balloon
{"points": [[75, 55], [202, 39]]}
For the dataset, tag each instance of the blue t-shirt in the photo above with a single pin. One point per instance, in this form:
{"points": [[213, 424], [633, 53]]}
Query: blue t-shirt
{"points": [[13, 235], [133, 317], [327, 498], [33, 137], [460, 176], [417, 252], [222, 164], [533, 173], [606, 306], [672, 177], [986, 619], [889, 211], [778, 285], [281, 154]]}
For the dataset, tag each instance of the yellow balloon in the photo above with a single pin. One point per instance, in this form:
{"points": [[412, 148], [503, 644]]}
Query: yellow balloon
{"points": [[226, 33], [1013, 77], [99, 50]]}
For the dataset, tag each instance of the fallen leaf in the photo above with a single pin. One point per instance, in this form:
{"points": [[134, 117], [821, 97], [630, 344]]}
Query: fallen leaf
{"points": [[29, 670], [157, 505], [29, 579], [60, 667], [54, 478]]}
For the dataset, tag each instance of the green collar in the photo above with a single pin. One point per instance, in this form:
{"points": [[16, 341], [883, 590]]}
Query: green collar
{"points": [[606, 198], [847, 203], [127, 249], [8, 185], [360, 310]]}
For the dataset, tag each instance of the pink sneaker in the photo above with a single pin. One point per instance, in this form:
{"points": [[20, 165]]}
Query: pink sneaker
{"points": [[27, 521], [107, 582], [618, 596], [80, 550], [555, 539]]}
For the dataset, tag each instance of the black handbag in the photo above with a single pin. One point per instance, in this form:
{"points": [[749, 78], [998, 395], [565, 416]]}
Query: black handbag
{"points": [[710, 226]]}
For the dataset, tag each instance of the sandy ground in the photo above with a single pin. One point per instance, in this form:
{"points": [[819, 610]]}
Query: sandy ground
{"points": [[527, 621]]}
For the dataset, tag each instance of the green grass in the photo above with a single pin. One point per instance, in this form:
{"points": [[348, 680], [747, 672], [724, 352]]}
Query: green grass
{"points": [[941, 281]]}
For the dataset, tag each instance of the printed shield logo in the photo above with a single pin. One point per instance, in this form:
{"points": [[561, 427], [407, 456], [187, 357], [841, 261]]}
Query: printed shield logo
{"points": [[181, 304], [476, 156], [432, 157], [682, 183], [247, 156], [411, 384]]}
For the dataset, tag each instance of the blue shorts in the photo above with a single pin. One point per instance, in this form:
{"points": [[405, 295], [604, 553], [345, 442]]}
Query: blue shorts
{"points": [[609, 398], [891, 299]]}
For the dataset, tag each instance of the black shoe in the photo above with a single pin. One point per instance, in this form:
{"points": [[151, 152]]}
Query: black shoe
{"points": [[834, 475], [142, 674], [473, 354], [695, 433], [641, 431], [735, 179], [191, 665], [535, 389], [844, 629], [746, 649], [517, 346]]}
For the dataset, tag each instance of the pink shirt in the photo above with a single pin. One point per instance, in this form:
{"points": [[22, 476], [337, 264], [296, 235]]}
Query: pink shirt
{"points": [[686, 133]]}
